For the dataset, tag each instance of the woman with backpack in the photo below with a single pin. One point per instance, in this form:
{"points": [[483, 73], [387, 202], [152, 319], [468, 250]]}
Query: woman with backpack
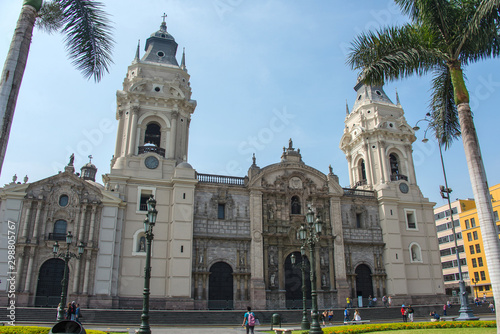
{"points": [[249, 320]]}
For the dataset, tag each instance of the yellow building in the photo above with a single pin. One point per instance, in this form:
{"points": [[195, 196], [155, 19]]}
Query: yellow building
{"points": [[474, 250]]}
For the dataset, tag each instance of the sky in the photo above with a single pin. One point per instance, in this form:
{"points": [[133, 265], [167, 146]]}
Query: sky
{"points": [[262, 71]]}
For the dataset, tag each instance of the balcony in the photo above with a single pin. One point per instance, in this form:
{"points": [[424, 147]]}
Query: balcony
{"points": [[151, 148], [397, 177], [57, 236], [358, 192], [221, 179]]}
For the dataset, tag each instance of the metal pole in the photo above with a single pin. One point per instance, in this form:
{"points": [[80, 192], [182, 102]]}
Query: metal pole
{"points": [[305, 322], [315, 326], [64, 284], [145, 329], [465, 311]]}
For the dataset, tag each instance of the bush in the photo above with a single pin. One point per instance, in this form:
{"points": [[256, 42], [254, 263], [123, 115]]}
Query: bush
{"points": [[35, 330], [354, 329]]}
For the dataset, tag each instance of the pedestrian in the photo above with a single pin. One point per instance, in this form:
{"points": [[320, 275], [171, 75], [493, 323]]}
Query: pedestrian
{"points": [[357, 316], [374, 301], [492, 307], [78, 315], [384, 300], [444, 309], [69, 311], [410, 313], [434, 316], [389, 300], [404, 313], [324, 315], [249, 320], [59, 309], [73, 311], [330, 316], [484, 298], [346, 314], [370, 301], [348, 301], [448, 303]]}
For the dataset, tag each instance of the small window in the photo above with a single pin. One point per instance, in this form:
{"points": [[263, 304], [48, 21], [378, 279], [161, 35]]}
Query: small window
{"points": [[480, 261], [478, 248], [415, 253], [153, 134], [475, 235], [411, 221], [358, 220], [295, 205], [480, 288], [221, 211], [476, 276], [59, 231], [63, 200], [487, 288], [467, 224], [483, 276], [474, 263], [472, 222], [469, 236], [143, 194], [394, 164], [471, 248], [495, 215], [459, 236]]}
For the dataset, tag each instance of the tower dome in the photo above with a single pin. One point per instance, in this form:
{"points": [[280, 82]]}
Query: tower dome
{"points": [[89, 170], [161, 47]]}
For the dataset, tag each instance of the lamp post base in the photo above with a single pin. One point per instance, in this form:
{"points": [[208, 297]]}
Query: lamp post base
{"points": [[305, 324]]}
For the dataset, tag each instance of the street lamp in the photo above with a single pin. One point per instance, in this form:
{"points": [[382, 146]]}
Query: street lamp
{"points": [[465, 311], [475, 288], [305, 322], [149, 223], [66, 256], [309, 234]]}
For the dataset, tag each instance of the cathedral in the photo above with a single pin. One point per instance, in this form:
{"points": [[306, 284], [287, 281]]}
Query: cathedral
{"points": [[224, 242]]}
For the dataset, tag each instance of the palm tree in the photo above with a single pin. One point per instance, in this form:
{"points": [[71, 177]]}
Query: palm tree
{"points": [[88, 41], [442, 37]]}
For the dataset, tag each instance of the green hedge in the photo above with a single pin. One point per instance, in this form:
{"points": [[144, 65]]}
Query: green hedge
{"points": [[354, 329], [35, 330]]}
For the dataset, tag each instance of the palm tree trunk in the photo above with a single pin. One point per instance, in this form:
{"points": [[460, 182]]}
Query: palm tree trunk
{"points": [[12, 74], [482, 198]]}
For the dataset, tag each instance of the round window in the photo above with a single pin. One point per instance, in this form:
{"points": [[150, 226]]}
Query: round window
{"points": [[63, 200], [157, 89], [378, 93], [160, 54]]}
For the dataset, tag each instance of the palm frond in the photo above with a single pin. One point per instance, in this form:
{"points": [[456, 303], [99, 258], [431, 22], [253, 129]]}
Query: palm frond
{"points": [[443, 108], [396, 52], [50, 17], [88, 36]]}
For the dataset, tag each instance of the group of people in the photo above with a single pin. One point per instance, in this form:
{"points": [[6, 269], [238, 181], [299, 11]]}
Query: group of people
{"points": [[71, 311], [347, 314], [407, 313], [387, 301], [327, 315]]}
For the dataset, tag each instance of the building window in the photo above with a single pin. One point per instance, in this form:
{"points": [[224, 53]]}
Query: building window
{"points": [[394, 163], [475, 235], [476, 276], [469, 236], [478, 248], [480, 261], [459, 235], [295, 205], [480, 288], [472, 222], [59, 231], [63, 200], [143, 194], [467, 224], [362, 170], [153, 134], [411, 220], [221, 211], [474, 263], [487, 288], [358, 220], [483, 276], [495, 215], [415, 252], [471, 249]]}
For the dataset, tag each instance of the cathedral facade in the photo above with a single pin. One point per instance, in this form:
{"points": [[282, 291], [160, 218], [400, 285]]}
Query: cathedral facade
{"points": [[223, 242]]}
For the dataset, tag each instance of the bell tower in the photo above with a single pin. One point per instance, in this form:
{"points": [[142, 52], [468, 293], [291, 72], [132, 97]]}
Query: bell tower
{"points": [[377, 142], [154, 111]]}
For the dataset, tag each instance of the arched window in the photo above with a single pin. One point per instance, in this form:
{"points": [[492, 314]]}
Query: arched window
{"points": [[59, 232], [415, 252], [362, 171], [394, 163], [295, 205], [141, 246], [153, 134]]}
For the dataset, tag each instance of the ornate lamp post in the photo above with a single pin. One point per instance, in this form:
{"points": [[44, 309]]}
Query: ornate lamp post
{"points": [[465, 312], [309, 234], [305, 322], [149, 223], [66, 256]]}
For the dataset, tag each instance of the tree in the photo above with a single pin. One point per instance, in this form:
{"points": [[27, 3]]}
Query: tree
{"points": [[442, 37], [88, 41]]}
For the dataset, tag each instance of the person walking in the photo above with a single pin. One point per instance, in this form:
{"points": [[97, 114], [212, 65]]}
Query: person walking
{"points": [[410, 313], [77, 313], [404, 313], [389, 300], [384, 300], [324, 315], [348, 301], [444, 310], [346, 314], [249, 320], [69, 312], [59, 307], [357, 316], [330, 316], [370, 301]]}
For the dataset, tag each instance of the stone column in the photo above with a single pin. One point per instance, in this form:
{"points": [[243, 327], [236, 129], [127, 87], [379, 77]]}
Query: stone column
{"points": [[37, 220], [173, 135], [76, 276], [412, 178], [81, 231], [281, 266], [370, 176], [92, 225], [385, 172], [119, 134], [29, 272], [27, 215], [86, 279], [338, 250], [257, 286], [132, 145], [20, 263]]}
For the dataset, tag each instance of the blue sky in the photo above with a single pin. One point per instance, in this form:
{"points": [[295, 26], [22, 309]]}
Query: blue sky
{"points": [[261, 71]]}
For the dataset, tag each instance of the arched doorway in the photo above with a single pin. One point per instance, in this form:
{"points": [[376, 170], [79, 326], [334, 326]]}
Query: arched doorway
{"points": [[48, 289], [364, 285], [220, 287], [293, 281]]}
